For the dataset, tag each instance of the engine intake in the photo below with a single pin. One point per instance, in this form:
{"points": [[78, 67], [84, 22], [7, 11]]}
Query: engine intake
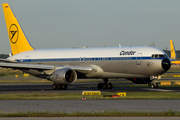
{"points": [[63, 76]]}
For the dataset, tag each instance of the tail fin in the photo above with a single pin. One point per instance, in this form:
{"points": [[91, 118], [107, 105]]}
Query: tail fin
{"points": [[17, 39], [172, 50]]}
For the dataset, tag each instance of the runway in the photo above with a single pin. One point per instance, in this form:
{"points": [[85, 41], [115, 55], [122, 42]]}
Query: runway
{"points": [[80, 105], [77, 88], [87, 105]]}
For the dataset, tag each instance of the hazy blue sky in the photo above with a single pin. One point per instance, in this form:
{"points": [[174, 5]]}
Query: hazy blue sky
{"points": [[95, 23]]}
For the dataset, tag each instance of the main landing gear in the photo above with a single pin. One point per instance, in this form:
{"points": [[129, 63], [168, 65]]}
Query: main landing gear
{"points": [[105, 85], [59, 87]]}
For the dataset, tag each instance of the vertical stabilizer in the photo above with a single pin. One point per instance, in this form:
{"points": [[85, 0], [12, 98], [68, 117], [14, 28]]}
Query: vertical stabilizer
{"points": [[17, 39], [172, 50]]}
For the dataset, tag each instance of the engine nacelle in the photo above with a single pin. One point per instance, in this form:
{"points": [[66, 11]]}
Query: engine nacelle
{"points": [[63, 76], [140, 80]]}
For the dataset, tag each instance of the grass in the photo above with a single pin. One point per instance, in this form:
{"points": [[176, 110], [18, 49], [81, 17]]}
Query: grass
{"points": [[79, 96], [174, 68], [121, 113], [10, 72], [17, 81]]}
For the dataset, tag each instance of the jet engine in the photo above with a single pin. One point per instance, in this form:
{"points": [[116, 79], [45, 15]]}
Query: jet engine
{"points": [[63, 76], [140, 80]]}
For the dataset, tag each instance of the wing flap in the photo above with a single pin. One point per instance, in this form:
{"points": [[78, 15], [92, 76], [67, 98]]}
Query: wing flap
{"points": [[82, 69]]}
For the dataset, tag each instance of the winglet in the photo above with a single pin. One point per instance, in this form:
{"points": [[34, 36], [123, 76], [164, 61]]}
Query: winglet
{"points": [[172, 50], [17, 38]]}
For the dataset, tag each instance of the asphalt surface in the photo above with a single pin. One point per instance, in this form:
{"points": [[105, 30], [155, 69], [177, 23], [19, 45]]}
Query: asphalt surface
{"points": [[87, 105], [78, 87], [83, 105]]}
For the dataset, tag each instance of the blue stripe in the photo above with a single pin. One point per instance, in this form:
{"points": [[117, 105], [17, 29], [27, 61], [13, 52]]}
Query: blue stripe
{"points": [[85, 59]]}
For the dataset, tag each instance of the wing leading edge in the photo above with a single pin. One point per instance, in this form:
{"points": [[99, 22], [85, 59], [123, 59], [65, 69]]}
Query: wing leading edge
{"points": [[81, 69]]}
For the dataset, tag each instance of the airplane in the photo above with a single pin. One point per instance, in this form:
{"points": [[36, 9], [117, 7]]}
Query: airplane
{"points": [[173, 54], [141, 65]]}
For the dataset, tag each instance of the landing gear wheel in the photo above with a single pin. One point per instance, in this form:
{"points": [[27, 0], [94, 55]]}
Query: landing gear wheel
{"points": [[54, 87], [156, 85], [110, 86], [152, 86], [59, 87], [64, 87], [104, 86], [100, 86]]}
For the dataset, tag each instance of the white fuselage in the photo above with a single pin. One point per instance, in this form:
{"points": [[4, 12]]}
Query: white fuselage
{"points": [[112, 62]]}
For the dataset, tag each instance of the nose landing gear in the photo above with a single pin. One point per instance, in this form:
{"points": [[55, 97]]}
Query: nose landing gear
{"points": [[105, 85], [154, 83]]}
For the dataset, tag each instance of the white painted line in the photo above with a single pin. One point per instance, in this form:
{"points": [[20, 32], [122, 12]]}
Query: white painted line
{"points": [[161, 90]]}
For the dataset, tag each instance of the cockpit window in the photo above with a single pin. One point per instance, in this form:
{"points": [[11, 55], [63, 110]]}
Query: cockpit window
{"points": [[158, 56]]}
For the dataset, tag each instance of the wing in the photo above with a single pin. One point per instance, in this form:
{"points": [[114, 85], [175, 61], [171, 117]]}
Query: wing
{"points": [[48, 69]]}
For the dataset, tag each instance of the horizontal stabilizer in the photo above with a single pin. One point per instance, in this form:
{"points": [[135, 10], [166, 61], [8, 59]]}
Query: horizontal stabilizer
{"points": [[8, 60]]}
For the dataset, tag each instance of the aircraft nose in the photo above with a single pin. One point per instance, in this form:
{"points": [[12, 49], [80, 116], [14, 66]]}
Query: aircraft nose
{"points": [[166, 64]]}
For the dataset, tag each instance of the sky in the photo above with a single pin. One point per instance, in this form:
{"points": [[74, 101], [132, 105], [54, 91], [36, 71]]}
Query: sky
{"points": [[94, 23]]}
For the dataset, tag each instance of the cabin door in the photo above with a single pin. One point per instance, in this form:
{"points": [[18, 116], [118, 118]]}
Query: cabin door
{"points": [[82, 59], [138, 58], [26, 59]]}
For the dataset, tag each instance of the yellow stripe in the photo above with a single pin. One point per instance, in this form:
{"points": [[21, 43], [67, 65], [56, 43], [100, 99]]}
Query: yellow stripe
{"points": [[175, 62], [176, 75]]}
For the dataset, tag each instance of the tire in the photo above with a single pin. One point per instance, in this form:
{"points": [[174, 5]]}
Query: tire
{"points": [[104, 86], [100, 86], [54, 87], [110, 86], [153, 86], [157, 86], [64, 87], [59, 87]]}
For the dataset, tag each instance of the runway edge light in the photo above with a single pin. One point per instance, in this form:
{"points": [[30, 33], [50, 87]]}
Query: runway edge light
{"points": [[84, 98]]}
